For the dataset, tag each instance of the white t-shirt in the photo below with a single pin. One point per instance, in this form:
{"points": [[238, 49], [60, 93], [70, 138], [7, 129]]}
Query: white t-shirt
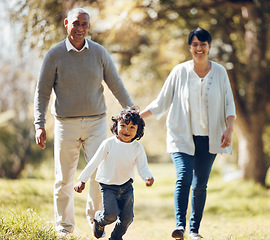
{"points": [[115, 161]]}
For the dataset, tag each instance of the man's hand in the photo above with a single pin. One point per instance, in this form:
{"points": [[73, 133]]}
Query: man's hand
{"points": [[79, 187], [41, 137]]}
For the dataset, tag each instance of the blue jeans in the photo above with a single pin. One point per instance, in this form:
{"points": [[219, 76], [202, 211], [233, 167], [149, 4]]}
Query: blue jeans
{"points": [[192, 171], [118, 201]]}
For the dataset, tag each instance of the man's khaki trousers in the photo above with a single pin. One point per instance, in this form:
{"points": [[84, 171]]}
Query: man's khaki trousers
{"points": [[70, 135]]}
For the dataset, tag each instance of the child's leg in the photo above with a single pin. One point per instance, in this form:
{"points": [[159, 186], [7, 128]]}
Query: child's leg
{"points": [[125, 203], [110, 204]]}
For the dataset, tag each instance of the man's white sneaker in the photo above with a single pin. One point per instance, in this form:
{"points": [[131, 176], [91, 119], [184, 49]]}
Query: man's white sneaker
{"points": [[62, 233], [195, 236]]}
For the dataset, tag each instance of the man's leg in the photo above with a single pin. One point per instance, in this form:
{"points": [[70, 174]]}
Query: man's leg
{"points": [[94, 200], [66, 155], [94, 133]]}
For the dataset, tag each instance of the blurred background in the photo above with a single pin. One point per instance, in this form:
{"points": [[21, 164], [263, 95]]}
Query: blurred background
{"points": [[146, 39]]}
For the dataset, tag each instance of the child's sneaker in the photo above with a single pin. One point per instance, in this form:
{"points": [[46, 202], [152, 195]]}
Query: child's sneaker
{"points": [[195, 236], [97, 228], [178, 233], [92, 225]]}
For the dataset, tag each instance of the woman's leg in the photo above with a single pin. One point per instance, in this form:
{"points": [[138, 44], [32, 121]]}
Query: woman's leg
{"points": [[202, 167], [184, 169]]}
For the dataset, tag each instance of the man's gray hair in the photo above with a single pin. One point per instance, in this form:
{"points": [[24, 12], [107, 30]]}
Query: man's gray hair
{"points": [[76, 11]]}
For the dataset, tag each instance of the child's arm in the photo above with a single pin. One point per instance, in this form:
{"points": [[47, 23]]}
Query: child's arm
{"points": [[79, 187], [142, 166], [149, 181], [94, 162]]}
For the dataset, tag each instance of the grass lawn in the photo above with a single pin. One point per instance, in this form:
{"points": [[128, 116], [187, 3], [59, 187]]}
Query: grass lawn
{"points": [[234, 210]]}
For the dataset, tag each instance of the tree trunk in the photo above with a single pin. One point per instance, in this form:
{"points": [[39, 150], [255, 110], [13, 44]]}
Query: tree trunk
{"points": [[251, 158], [252, 116]]}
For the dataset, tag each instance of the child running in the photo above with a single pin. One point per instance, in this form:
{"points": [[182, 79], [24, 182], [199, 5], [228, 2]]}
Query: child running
{"points": [[115, 160]]}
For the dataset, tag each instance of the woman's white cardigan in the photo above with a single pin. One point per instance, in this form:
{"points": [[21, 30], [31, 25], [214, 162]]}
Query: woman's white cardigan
{"points": [[174, 96]]}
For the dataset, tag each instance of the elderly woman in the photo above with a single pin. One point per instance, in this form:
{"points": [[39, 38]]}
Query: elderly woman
{"points": [[200, 121]]}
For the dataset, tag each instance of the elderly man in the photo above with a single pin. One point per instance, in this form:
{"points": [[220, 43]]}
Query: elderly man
{"points": [[74, 70]]}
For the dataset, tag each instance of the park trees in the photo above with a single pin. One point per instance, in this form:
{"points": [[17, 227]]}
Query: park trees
{"points": [[148, 38]]}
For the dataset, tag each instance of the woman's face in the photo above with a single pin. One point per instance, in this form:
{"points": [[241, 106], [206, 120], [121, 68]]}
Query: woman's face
{"points": [[199, 50]]}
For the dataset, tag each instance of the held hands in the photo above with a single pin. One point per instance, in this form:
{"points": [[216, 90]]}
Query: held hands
{"points": [[149, 181], [79, 187], [41, 137]]}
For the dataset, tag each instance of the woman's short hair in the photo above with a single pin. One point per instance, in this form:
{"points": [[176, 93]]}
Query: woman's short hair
{"points": [[127, 115], [202, 34]]}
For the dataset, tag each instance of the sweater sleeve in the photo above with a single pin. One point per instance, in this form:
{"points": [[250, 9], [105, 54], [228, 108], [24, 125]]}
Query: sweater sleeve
{"points": [[114, 82], [44, 89], [229, 100], [94, 162], [164, 100]]}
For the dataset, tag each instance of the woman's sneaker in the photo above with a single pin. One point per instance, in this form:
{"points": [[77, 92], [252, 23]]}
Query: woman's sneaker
{"points": [[195, 236], [178, 233]]}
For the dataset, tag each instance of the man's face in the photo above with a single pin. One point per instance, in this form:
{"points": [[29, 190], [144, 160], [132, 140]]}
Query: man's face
{"points": [[77, 27]]}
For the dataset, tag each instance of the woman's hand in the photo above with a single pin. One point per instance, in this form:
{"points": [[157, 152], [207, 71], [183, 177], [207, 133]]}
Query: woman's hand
{"points": [[145, 114], [226, 137]]}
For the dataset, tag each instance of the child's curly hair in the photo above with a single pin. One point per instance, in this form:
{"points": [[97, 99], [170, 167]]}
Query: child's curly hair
{"points": [[127, 115]]}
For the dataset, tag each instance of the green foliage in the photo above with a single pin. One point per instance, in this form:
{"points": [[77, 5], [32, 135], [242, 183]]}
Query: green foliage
{"points": [[24, 225], [18, 148], [42, 20], [266, 140], [148, 38]]}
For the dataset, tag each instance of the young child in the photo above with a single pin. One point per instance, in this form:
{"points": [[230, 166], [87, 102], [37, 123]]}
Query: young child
{"points": [[115, 160]]}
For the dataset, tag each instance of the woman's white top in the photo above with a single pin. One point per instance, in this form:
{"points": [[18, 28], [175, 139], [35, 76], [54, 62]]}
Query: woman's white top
{"points": [[198, 103], [115, 161], [175, 97]]}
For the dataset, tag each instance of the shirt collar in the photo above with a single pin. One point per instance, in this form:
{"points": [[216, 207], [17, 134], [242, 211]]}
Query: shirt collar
{"points": [[71, 47]]}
